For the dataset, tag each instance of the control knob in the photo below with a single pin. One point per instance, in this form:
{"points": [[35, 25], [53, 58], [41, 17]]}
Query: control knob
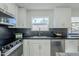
{"points": [[7, 47], [11, 45]]}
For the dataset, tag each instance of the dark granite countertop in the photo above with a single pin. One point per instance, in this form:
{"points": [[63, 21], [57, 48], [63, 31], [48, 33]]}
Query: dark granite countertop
{"points": [[43, 37], [51, 38], [47, 38]]}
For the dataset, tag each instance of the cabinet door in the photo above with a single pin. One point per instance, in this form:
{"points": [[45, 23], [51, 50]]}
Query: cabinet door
{"points": [[45, 47], [40, 47], [22, 18], [71, 46], [62, 17], [10, 7], [4, 6], [1, 5], [26, 47], [36, 47], [31, 47]]}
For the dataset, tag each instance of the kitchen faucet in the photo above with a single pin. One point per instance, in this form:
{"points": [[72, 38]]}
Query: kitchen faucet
{"points": [[39, 32]]}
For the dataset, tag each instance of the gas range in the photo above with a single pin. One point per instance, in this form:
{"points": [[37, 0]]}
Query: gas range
{"points": [[10, 47]]}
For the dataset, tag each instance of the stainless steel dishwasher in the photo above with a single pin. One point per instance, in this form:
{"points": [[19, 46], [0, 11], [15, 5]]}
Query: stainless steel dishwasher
{"points": [[57, 46]]}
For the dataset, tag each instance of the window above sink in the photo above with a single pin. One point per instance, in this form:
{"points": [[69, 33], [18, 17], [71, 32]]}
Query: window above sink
{"points": [[40, 23]]}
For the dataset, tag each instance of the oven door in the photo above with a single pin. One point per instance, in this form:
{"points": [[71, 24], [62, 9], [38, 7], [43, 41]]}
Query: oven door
{"points": [[57, 46]]}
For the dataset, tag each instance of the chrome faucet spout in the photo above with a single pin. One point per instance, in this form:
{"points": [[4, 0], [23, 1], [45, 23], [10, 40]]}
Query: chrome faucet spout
{"points": [[39, 31]]}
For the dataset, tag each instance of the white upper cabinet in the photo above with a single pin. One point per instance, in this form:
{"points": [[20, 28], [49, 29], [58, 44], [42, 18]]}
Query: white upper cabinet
{"points": [[22, 17], [9, 7], [62, 17], [1, 6]]}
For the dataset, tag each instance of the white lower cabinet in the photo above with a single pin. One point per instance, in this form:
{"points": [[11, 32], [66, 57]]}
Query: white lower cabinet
{"points": [[71, 46], [36, 47]]}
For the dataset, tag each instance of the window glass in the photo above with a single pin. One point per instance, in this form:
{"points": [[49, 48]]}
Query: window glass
{"points": [[75, 24], [40, 23]]}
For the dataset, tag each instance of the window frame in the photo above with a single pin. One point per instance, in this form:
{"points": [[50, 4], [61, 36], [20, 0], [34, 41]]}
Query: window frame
{"points": [[41, 23]]}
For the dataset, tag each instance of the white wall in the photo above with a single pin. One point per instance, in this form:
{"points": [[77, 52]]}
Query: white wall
{"points": [[75, 12], [40, 13]]}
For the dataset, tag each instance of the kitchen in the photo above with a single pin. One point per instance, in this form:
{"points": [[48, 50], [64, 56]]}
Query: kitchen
{"points": [[39, 29]]}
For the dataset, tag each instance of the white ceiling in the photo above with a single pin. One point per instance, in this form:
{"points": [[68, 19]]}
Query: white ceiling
{"points": [[47, 5]]}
